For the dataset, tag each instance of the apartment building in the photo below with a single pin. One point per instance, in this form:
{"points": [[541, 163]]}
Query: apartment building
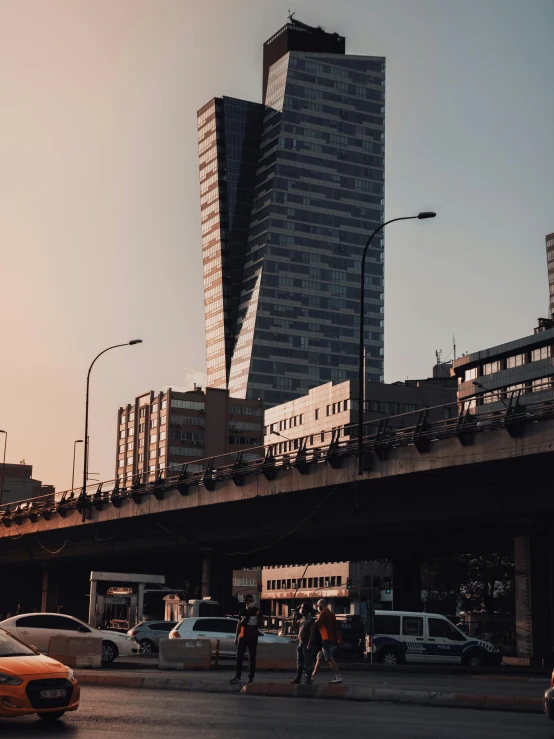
{"points": [[247, 582], [346, 586], [17, 483], [167, 429], [335, 406]]}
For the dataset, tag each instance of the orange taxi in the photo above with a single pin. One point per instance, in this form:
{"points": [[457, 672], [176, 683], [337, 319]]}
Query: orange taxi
{"points": [[33, 683]]}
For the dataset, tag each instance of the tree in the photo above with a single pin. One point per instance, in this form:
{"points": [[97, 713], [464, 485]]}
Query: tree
{"points": [[488, 582]]}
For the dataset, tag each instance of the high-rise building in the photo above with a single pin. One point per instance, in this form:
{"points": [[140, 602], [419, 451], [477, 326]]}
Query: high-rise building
{"points": [[169, 429], [290, 190], [550, 263]]}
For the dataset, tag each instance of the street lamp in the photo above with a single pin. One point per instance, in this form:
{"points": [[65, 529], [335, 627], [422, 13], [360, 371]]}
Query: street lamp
{"points": [[85, 461], [361, 377], [77, 441], [3, 465]]}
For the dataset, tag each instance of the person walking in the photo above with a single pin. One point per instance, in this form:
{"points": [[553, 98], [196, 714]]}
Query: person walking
{"points": [[329, 630], [246, 638], [304, 619]]}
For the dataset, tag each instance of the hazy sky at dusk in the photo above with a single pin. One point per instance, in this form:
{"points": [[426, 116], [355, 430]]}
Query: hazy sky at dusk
{"points": [[99, 203]]}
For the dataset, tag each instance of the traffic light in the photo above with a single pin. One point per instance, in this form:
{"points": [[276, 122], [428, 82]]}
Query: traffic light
{"points": [[388, 587], [348, 583]]}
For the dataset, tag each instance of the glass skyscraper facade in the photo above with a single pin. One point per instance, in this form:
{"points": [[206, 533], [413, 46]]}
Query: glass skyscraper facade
{"points": [[282, 296]]}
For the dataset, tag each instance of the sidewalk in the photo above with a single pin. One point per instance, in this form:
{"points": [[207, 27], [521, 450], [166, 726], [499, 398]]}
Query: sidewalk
{"points": [[492, 693]]}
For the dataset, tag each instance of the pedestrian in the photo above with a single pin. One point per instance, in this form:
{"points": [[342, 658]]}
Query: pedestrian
{"points": [[304, 618], [327, 626], [247, 638]]}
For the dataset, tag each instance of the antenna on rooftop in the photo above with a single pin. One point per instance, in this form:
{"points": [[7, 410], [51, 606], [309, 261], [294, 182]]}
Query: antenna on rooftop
{"points": [[454, 342], [290, 15]]}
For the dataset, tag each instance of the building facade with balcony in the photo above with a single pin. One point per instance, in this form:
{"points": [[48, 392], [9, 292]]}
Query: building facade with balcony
{"points": [[521, 370], [170, 428], [17, 483]]}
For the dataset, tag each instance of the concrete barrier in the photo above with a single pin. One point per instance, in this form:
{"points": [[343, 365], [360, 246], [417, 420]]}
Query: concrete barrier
{"points": [[276, 656], [76, 651], [185, 654]]}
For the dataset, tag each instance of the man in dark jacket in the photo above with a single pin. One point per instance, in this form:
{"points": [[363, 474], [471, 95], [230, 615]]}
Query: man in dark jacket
{"points": [[247, 637], [304, 618]]}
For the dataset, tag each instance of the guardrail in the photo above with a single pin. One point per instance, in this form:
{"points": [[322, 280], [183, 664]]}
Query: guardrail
{"points": [[301, 454]]}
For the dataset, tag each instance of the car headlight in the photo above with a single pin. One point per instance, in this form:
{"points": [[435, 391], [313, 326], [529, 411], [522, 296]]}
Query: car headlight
{"points": [[70, 674], [9, 679]]}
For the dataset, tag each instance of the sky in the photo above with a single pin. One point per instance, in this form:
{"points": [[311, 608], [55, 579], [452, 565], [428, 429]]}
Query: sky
{"points": [[99, 198]]}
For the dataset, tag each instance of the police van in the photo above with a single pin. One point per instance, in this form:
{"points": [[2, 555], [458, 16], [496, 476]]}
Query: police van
{"points": [[407, 636]]}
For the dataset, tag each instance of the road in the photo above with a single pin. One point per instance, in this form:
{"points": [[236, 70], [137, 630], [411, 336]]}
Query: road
{"points": [[127, 714]]}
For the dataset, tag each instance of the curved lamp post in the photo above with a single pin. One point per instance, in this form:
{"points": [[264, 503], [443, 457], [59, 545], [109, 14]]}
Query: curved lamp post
{"points": [[361, 377], [85, 461]]}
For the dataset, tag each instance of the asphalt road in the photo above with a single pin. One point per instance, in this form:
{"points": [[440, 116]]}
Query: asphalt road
{"points": [[127, 714]]}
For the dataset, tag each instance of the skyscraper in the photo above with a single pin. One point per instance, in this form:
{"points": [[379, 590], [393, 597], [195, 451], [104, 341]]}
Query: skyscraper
{"points": [[550, 263], [290, 190]]}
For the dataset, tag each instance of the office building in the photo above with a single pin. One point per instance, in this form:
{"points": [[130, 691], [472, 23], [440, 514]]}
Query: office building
{"points": [[521, 370], [334, 406], [17, 483], [550, 263], [345, 585], [290, 190], [170, 428], [247, 582]]}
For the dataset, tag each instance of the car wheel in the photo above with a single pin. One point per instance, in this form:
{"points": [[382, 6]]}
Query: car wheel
{"points": [[146, 646], [53, 716], [389, 657], [109, 652], [475, 660]]}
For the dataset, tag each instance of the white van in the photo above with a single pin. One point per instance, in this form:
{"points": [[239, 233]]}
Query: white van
{"points": [[409, 636]]}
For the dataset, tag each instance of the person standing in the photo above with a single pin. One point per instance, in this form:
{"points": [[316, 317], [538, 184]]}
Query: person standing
{"points": [[246, 638], [327, 626], [304, 619]]}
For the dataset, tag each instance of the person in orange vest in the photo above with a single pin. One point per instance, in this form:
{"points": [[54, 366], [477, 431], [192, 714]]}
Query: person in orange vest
{"points": [[327, 626]]}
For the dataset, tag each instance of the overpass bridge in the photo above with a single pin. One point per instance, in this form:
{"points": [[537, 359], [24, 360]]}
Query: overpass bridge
{"points": [[466, 483]]}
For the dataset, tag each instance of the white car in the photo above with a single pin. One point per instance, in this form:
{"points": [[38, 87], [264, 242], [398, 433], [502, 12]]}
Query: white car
{"points": [[219, 629], [37, 628]]}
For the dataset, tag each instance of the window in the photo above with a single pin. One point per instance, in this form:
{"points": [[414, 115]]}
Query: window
{"points": [[542, 353], [471, 374], [339, 579], [141, 457], [142, 413], [122, 434], [122, 420], [131, 417], [163, 419], [345, 405], [130, 446], [122, 449], [142, 426], [162, 435], [63, 623], [516, 361], [152, 453], [153, 423], [412, 626], [164, 405], [491, 367], [130, 431], [129, 460], [268, 585], [161, 451], [192, 405], [439, 628], [141, 442], [409, 408], [152, 468], [317, 414], [153, 438], [387, 625], [154, 408], [121, 463]]}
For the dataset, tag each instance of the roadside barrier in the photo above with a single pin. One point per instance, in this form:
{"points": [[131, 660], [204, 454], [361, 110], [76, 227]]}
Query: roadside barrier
{"points": [[276, 656], [75, 651], [185, 654]]}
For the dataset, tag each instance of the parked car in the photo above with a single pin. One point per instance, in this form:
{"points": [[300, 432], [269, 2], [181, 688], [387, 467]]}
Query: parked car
{"points": [[36, 629], [405, 636], [148, 634], [549, 699], [32, 683], [219, 629]]}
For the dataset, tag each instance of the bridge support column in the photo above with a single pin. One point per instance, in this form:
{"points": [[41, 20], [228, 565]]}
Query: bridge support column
{"points": [[534, 598], [406, 579], [50, 587], [217, 580]]}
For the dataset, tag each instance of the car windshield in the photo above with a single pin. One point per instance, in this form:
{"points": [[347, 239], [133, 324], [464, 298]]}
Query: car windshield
{"points": [[10, 647]]}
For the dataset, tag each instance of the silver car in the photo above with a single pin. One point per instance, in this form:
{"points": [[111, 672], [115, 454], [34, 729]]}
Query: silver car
{"points": [[148, 634]]}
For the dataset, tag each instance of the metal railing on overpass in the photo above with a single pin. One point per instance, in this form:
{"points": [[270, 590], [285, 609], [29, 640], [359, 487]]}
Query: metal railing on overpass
{"points": [[329, 447]]}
